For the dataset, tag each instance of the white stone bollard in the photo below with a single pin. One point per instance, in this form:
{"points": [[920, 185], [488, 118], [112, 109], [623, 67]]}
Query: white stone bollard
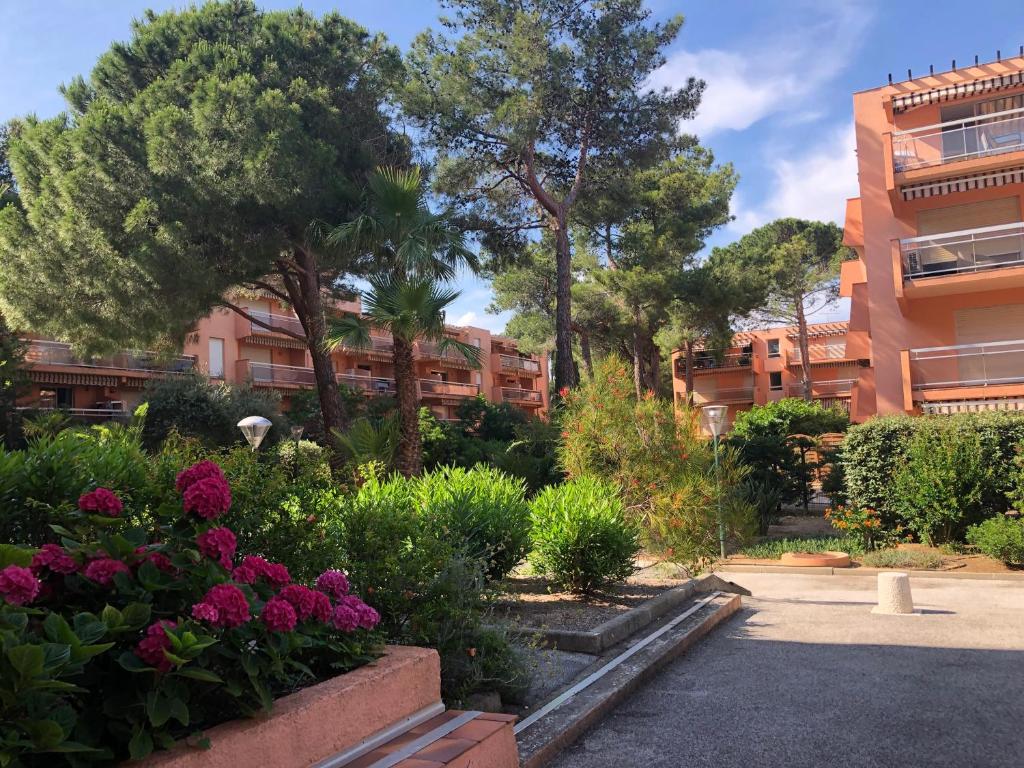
{"points": [[894, 593]]}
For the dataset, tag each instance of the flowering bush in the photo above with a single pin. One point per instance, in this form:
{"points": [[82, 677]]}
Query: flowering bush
{"points": [[862, 523], [122, 639]]}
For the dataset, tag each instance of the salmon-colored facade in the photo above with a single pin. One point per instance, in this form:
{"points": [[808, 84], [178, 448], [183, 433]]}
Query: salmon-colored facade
{"points": [[228, 347], [937, 286]]}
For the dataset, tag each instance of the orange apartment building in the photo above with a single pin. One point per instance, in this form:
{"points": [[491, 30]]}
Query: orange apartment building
{"points": [[227, 347], [937, 289]]}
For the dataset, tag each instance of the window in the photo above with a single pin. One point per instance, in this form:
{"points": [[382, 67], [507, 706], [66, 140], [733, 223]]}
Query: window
{"points": [[216, 358], [775, 380], [773, 349]]}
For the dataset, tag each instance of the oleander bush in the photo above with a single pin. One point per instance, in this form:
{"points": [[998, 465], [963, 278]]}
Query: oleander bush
{"points": [[138, 630], [1001, 537], [582, 537]]}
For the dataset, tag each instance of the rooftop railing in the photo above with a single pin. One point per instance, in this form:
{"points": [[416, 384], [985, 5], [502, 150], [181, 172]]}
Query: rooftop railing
{"points": [[967, 365], [277, 322], [971, 137], [41, 352], [966, 250], [519, 363], [513, 395]]}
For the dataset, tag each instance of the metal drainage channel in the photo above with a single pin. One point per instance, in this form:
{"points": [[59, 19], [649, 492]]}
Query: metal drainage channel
{"points": [[593, 677]]}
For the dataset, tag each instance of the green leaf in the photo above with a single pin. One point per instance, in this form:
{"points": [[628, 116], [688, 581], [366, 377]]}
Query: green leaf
{"points": [[198, 673], [57, 654], [179, 711], [157, 709], [28, 660], [136, 615], [45, 734], [58, 630], [132, 663], [141, 744], [111, 617], [85, 652], [12, 555]]}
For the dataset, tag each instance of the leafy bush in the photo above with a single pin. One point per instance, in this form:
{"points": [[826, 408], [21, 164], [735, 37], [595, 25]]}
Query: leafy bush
{"points": [[1001, 537], [194, 407], [940, 489], [125, 638], [481, 507], [660, 461], [773, 549], [582, 537], [789, 416], [902, 558]]}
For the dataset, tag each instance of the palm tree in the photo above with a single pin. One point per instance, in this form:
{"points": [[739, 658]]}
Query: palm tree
{"points": [[409, 253]]}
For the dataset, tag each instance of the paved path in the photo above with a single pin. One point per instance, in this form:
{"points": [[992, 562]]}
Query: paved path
{"points": [[806, 675]]}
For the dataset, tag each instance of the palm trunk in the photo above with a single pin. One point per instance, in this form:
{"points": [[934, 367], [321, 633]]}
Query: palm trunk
{"points": [[565, 370], [410, 455], [805, 364]]}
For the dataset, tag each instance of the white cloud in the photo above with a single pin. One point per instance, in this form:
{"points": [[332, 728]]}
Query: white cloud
{"points": [[811, 185], [466, 318], [778, 74]]}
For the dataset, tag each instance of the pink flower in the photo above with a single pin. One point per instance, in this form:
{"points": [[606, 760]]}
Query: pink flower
{"points": [[366, 617], [253, 567], [205, 612], [208, 498], [101, 500], [230, 603], [53, 557], [18, 585], [151, 648], [102, 570], [244, 574], [345, 618], [276, 574], [302, 599], [321, 607], [200, 471], [334, 583], [161, 561], [218, 544], [278, 615]]}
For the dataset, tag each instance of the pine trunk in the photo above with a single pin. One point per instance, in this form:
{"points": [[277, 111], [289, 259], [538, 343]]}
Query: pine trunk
{"points": [[410, 459], [565, 369], [805, 363]]}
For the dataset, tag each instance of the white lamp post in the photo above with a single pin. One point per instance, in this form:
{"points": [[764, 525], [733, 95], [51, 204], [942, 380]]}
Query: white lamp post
{"points": [[254, 428], [714, 420]]}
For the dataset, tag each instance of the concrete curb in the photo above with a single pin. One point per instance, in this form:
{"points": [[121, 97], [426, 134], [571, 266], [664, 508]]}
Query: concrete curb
{"points": [[614, 631], [825, 571], [557, 730]]}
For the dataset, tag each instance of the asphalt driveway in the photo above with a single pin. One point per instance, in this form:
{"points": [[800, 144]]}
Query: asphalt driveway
{"points": [[806, 675]]}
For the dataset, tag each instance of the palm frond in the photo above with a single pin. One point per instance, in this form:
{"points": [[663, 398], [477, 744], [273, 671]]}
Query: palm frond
{"points": [[468, 351], [367, 441], [348, 331]]}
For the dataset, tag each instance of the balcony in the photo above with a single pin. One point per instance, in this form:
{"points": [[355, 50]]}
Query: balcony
{"points": [[86, 415], [824, 390], [818, 354], [437, 388], [966, 261], [278, 376], [707, 362], [978, 143], [288, 323], [368, 384], [995, 369], [55, 353], [528, 397], [519, 364], [426, 350], [729, 395]]}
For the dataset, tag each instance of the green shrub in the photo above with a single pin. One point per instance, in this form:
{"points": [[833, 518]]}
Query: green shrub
{"points": [[482, 508], [902, 558], [1000, 537], [582, 538], [773, 549], [941, 486], [789, 416]]}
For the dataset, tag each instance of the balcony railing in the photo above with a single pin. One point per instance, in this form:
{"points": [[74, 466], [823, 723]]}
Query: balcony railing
{"points": [[823, 389], [705, 361], [271, 375], [381, 345], [818, 353], [57, 353], [730, 395], [277, 322], [430, 351], [967, 365], [373, 384], [519, 363], [513, 395], [967, 250], [93, 415], [448, 388], [940, 143]]}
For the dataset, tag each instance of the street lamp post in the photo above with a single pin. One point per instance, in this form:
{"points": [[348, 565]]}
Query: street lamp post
{"points": [[714, 419], [296, 436], [254, 428]]}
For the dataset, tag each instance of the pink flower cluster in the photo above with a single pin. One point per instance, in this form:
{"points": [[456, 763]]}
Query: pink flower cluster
{"points": [[279, 615], [54, 558], [200, 471], [254, 567], [205, 491], [351, 614], [161, 561], [101, 500], [18, 585], [334, 583], [218, 544], [102, 570], [224, 605], [151, 648], [308, 603]]}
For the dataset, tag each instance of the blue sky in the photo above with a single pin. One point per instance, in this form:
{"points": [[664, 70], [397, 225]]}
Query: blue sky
{"points": [[780, 76]]}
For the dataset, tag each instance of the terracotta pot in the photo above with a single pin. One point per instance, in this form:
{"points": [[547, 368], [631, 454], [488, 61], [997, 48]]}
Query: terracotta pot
{"points": [[322, 720], [816, 559]]}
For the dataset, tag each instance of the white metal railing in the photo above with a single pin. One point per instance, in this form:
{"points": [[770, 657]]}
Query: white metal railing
{"points": [[967, 365], [727, 395], [978, 136], [817, 353], [85, 414], [511, 394], [41, 352], [966, 250], [707, 361], [379, 344], [456, 388], [366, 382], [519, 363], [826, 388], [272, 375], [282, 322]]}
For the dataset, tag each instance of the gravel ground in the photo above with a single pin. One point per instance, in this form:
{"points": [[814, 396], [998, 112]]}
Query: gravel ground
{"points": [[806, 675]]}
